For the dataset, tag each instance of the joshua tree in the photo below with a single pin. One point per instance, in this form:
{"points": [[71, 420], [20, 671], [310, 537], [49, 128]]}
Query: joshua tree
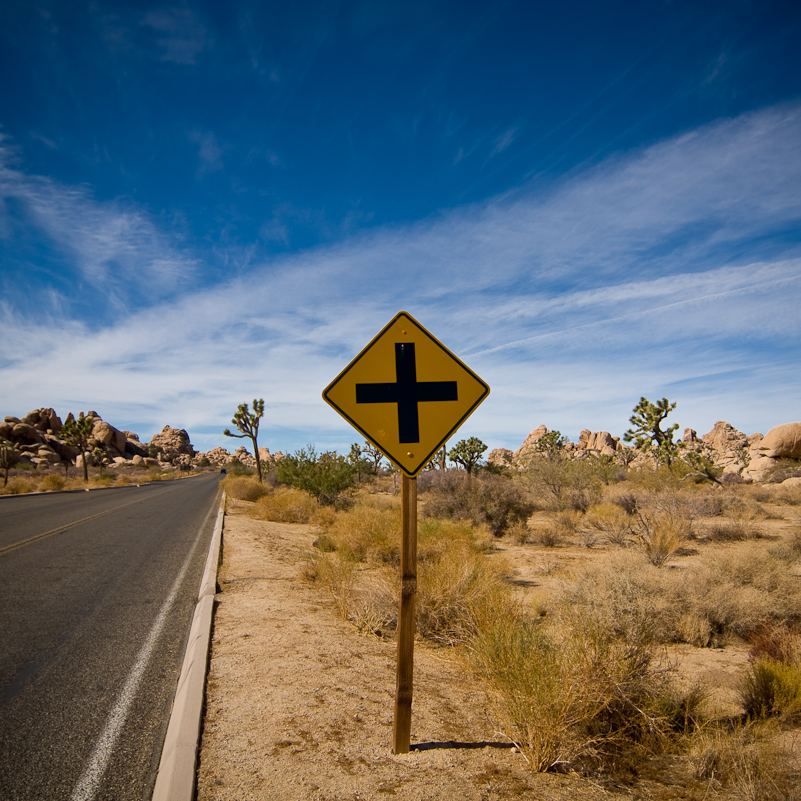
{"points": [[248, 423], [9, 456], [551, 445], [467, 452], [373, 454], [77, 432], [647, 433]]}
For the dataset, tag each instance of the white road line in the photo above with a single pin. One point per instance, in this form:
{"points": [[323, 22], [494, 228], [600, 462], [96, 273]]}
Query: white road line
{"points": [[95, 769]]}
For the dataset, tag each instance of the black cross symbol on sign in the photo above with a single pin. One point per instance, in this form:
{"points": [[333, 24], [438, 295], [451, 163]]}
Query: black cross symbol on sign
{"points": [[407, 392]]}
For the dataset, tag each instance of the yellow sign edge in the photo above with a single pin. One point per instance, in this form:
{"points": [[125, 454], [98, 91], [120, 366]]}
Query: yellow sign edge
{"points": [[363, 351]]}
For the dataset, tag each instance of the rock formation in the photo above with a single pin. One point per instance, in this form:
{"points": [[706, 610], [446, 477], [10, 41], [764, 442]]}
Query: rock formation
{"points": [[36, 441], [172, 443], [741, 457]]}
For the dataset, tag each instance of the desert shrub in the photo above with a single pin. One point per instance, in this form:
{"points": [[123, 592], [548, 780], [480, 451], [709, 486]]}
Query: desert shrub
{"points": [[790, 495], [244, 488], [784, 469], [327, 476], [772, 688], [662, 524], [776, 641], [627, 501], [753, 768], [492, 500], [772, 684], [285, 505], [358, 556], [729, 593], [17, 485], [236, 468], [738, 590], [53, 482], [368, 533], [701, 503], [559, 483], [648, 479], [627, 596], [610, 521], [519, 533], [571, 696], [661, 535], [740, 520], [457, 592], [551, 535], [555, 529]]}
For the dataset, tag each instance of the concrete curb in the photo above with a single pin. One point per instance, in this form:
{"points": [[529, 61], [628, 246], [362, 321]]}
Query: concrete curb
{"points": [[176, 776]]}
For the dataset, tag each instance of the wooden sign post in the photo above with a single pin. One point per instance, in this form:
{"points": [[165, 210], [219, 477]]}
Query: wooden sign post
{"points": [[401, 733], [407, 394]]}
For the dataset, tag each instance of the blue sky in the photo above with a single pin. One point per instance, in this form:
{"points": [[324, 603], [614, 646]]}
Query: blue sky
{"points": [[203, 203]]}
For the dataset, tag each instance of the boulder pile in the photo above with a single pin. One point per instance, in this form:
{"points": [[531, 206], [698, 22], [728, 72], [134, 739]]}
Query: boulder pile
{"points": [[598, 443], [36, 441], [750, 457]]}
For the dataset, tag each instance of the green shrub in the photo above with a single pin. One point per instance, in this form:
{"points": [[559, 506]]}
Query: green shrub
{"points": [[325, 476], [772, 688]]}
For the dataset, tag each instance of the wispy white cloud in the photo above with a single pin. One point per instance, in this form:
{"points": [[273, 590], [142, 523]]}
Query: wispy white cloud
{"points": [[643, 275], [183, 36], [113, 245], [209, 152], [504, 140]]}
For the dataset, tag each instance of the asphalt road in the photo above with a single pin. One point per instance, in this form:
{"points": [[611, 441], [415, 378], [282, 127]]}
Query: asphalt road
{"points": [[97, 591]]}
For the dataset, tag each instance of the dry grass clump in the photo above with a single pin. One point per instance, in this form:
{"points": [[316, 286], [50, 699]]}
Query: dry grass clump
{"points": [[661, 529], [738, 589], [357, 559], [458, 592], [244, 488], [731, 592], [611, 522], [285, 505], [741, 518], [18, 485], [575, 696], [368, 533], [53, 482], [485, 499], [772, 685], [626, 595], [746, 764], [790, 495]]}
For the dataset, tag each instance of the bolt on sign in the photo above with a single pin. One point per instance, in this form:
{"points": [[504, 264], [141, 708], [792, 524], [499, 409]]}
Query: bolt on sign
{"points": [[406, 393]]}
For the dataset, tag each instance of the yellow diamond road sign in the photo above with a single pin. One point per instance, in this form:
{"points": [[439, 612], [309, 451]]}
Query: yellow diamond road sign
{"points": [[407, 393]]}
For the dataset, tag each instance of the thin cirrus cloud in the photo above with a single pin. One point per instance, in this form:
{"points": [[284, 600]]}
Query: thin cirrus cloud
{"points": [[116, 247], [673, 269]]}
